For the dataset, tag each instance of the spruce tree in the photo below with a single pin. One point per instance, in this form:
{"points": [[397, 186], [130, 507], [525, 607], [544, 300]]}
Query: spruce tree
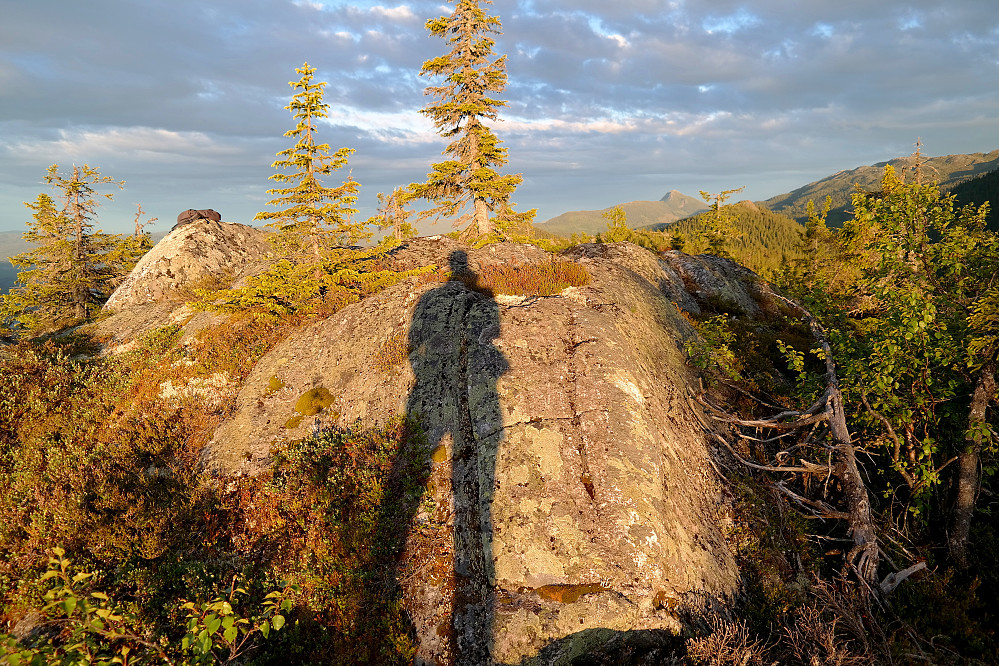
{"points": [[311, 216], [73, 269], [472, 75], [393, 215], [719, 227]]}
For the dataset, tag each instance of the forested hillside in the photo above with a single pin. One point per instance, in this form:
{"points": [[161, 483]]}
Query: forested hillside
{"points": [[947, 171], [979, 190], [765, 240]]}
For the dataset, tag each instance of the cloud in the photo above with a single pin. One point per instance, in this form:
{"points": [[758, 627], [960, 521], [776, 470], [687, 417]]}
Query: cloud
{"points": [[137, 143], [608, 101], [401, 13]]}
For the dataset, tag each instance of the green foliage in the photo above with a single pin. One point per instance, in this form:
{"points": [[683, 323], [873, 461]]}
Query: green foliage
{"points": [[73, 268], [93, 629], [927, 268], [617, 226], [392, 214], [718, 230], [714, 351], [618, 231], [312, 217], [308, 288], [465, 100]]}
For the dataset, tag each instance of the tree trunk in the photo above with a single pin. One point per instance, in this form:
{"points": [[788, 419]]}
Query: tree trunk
{"points": [[865, 555], [967, 469], [81, 293], [483, 225]]}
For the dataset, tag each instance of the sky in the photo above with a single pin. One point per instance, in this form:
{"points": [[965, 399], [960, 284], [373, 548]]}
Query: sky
{"points": [[609, 101]]}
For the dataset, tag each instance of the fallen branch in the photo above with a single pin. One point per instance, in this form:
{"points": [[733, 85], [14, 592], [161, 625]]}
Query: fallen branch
{"points": [[893, 580]]}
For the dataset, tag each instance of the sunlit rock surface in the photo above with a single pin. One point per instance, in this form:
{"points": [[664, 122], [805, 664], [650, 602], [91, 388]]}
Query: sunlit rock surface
{"points": [[572, 484]]}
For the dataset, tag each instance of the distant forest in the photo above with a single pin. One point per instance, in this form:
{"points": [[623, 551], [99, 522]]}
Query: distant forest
{"points": [[767, 241], [977, 191]]}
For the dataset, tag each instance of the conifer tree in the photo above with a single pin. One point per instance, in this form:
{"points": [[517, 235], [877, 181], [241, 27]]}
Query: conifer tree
{"points": [[392, 214], [465, 100], [73, 268], [617, 226], [719, 228], [311, 216]]}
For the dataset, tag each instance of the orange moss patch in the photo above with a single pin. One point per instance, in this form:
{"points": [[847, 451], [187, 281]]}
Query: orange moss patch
{"points": [[543, 279], [568, 594], [393, 352]]}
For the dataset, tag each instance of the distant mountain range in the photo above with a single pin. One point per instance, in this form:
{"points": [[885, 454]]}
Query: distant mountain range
{"points": [[672, 207], [949, 171], [974, 173]]}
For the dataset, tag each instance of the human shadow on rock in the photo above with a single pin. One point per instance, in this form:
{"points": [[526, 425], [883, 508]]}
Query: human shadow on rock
{"points": [[455, 401]]}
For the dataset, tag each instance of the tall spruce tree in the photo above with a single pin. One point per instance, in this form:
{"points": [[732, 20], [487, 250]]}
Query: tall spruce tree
{"points": [[73, 268], [311, 216], [471, 76]]}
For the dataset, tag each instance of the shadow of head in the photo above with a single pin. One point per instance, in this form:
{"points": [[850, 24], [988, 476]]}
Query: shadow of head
{"points": [[459, 264], [460, 272]]}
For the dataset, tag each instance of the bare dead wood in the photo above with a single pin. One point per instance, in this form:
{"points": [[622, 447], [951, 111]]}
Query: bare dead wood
{"points": [[968, 463], [864, 557], [893, 580], [824, 510], [807, 468]]}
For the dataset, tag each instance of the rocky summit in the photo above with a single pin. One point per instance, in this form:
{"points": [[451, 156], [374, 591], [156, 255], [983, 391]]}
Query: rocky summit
{"points": [[572, 493]]}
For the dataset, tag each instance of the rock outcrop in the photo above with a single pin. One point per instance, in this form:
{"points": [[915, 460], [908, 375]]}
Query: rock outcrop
{"points": [[200, 254], [190, 254], [573, 507], [572, 472]]}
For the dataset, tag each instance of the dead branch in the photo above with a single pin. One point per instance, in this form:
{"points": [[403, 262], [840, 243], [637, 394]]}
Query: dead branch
{"points": [[806, 468], [863, 559], [893, 580], [825, 511]]}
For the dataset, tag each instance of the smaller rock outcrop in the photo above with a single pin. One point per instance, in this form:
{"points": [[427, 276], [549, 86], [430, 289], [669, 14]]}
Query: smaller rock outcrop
{"points": [[193, 215], [189, 254]]}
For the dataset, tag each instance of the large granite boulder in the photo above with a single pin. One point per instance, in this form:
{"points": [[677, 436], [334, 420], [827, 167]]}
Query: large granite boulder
{"points": [[572, 474]]}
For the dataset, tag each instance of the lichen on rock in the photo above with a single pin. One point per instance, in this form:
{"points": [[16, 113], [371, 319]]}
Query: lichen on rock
{"points": [[574, 457]]}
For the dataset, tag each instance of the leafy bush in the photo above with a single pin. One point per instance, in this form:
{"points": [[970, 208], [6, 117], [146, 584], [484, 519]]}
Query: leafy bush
{"points": [[86, 626]]}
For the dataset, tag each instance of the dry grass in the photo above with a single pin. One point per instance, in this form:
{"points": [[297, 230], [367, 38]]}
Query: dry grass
{"points": [[394, 351]]}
